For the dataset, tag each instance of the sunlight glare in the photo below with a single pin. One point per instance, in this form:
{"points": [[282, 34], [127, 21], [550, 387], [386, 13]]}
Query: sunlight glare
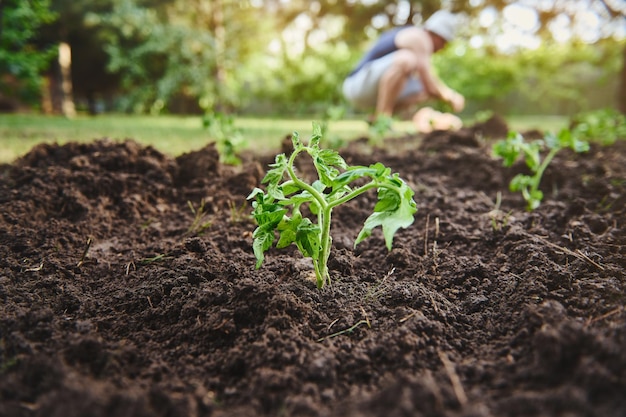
{"points": [[477, 41], [560, 28], [587, 24], [522, 17], [487, 17]]}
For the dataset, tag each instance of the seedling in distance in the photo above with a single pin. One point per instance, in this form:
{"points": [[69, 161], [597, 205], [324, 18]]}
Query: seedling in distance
{"points": [[514, 147], [280, 208]]}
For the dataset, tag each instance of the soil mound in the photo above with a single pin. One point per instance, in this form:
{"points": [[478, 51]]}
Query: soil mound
{"points": [[128, 287], [495, 127]]}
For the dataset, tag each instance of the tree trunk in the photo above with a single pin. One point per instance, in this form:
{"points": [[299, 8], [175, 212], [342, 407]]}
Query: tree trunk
{"points": [[220, 50], [621, 94], [65, 63]]}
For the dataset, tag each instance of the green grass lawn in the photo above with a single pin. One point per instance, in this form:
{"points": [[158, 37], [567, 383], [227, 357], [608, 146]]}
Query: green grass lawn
{"points": [[175, 135]]}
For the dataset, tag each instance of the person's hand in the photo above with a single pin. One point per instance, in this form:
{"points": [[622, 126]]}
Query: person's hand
{"points": [[457, 101], [428, 119]]}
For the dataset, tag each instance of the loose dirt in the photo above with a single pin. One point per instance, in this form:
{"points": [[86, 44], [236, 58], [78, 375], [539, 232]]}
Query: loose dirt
{"points": [[118, 300]]}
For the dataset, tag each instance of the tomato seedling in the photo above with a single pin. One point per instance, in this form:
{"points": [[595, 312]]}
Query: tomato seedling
{"points": [[514, 147], [281, 209]]}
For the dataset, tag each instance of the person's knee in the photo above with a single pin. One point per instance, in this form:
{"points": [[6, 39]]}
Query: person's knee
{"points": [[405, 61], [411, 100]]}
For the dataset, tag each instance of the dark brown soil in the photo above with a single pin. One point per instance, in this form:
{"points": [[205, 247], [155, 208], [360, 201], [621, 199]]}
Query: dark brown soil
{"points": [[115, 302]]}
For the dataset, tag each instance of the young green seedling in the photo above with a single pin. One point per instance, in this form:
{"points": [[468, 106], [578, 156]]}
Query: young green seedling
{"points": [[514, 147], [229, 139], [288, 193], [604, 125]]}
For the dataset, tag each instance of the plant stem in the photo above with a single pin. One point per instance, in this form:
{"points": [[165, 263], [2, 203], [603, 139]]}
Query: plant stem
{"points": [[323, 219], [326, 242], [292, 174], [542, 168], [354, 193]]}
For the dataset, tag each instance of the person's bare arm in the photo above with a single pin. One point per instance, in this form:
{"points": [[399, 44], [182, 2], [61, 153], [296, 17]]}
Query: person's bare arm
{"points": [[417, 41], [438, 89]]}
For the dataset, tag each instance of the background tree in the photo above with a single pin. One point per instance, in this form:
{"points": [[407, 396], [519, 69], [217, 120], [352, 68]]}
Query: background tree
{"points": [[92, 84], [572, 50], [618, 13], [180, 56], [22, 60], [269, 56]]}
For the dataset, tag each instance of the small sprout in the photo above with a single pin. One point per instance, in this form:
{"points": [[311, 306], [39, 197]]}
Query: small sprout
{"points": [[238, 214], [85, 252], [157, 258], [287, 192], [379, 127], [514, 147], [200, 222], [499, 219]]}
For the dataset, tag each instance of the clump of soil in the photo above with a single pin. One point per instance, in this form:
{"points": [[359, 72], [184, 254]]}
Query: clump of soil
{"points": [[495, 127], [118, 299]]}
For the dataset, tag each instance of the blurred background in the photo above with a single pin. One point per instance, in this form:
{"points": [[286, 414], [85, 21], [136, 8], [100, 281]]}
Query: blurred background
{"points": [[277, 57]]}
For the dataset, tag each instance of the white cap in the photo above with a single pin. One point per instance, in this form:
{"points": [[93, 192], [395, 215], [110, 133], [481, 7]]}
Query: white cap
{"points": [[442, 23]]}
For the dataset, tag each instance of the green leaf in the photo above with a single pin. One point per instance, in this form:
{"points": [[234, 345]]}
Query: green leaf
{"points": [[295, 141], [308, 239], [514, 144], [553, 141], [580, 146], [297, 199], [401, 216], [566, 139], [353, 173], [262, 242], [327, 163], [509, 149], [533, 198], [254, 193], [532, 155], [375, 171], [318, 186], [289, 188], [275, 175], [331, 158], [316, 136], [521, 181], [388, 200], [277, 171], [267, 213], [288, 231]]}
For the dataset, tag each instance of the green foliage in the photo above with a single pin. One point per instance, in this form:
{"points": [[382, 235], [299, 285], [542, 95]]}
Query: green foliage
{"points": [[479, 74], [379, 128], [603, 125], [178, 52], [565, 76], [156, 60], [553, 78], [302, 84], [21, 60], [271, 56], [286, 192], [514, 147]]}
